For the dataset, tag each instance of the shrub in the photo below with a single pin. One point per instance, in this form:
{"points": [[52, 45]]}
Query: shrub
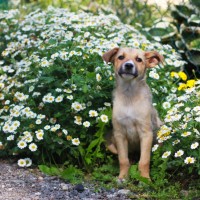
{"points": [[56, 89], [181, 31]]}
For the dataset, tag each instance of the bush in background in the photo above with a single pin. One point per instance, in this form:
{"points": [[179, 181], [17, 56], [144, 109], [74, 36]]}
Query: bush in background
{"points": [[56, 89]]}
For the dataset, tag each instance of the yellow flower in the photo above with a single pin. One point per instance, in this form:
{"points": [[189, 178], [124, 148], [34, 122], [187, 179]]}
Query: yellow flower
{"points": [[190, 83], [160, 134], [69, 137], [174, 74], [144, 46], [182, 86], [183, 76]]}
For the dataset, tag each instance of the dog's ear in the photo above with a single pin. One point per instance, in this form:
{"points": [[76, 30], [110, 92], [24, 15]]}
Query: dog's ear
{"points": [[153, 58], [109, 55]]}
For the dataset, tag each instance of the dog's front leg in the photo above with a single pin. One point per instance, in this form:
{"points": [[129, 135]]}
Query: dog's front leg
{"points": [[146, 140], [122, 149]]}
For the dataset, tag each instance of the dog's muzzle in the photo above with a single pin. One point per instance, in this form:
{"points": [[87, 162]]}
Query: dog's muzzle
{"points": [[128, 69]]}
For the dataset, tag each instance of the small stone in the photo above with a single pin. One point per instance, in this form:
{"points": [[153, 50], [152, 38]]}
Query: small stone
{"points": [[37, 193], [79, 188], [64, 186], [111, 196], [112, 190], [40, 178], [123, 191]]}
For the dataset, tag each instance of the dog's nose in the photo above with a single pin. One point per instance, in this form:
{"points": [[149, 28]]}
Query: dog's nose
{"points": [[128, 66]]}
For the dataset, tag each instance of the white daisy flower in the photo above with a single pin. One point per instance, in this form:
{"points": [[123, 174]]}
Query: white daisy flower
{"points": [[70, 97], [32, 147], [50, 99], [98, 77], [28, 139], [28, 162], [21, 144], [39, 134], [189, 160], [107, 104], [40, 116], [78, 120], [185, 134], [179, 153], [21, 162], [11, 137], [58, 90], [65, 131], [166, 154], [38, 121], [47, 127], [104, 118], [86, 124], [67, 90], [77, 106], [155, 147], [166, 105], [59, 99], [194, 145], [75, 141], [93, 113]]}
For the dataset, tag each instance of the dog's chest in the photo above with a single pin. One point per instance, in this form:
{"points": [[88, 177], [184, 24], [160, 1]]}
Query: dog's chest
{"points": [[130, 114], [125, 115]]}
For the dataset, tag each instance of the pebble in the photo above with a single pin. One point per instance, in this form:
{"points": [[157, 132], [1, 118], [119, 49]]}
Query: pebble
{"points": [[79, 188], [37, 193], [123, 191], [64, 186]]}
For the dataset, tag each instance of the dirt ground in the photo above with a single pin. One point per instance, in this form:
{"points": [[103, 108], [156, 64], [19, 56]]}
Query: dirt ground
{"points": [[30, 184]]}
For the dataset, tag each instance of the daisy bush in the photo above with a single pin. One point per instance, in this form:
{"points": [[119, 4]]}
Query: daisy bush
{"points": [[180, 135], [56, 90]]}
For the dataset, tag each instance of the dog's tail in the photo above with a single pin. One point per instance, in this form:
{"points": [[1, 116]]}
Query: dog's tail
{"points": [[110, 142], [111, 147]]}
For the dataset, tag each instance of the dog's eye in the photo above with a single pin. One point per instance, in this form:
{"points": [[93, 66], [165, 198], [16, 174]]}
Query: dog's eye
{"points": [[138, 59], [121, 57]]}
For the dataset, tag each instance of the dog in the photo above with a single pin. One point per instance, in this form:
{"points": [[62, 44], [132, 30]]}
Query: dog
{"points": [[134, 118]]}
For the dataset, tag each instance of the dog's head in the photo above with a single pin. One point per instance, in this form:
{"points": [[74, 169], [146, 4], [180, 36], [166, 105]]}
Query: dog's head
{"points": [[132, 63]]}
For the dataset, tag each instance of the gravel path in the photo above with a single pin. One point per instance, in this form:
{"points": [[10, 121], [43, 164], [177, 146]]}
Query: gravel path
{"points": [[30, 184]]}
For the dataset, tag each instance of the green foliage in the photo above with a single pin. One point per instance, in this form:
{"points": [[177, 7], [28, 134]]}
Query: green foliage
{"points": [[70, 173], [106, 172], [135, 175], [182, 32]]}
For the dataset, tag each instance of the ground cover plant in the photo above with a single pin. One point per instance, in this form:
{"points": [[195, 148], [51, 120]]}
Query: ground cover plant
{"points": [[56, 93]]}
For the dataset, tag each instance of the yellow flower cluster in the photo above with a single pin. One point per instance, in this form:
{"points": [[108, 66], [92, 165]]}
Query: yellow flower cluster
{"points": [[183, 76], [188, 84], [180, 75]]}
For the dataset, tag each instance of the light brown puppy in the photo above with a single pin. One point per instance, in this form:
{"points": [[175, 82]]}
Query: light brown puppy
{"points": [[134, 118]]}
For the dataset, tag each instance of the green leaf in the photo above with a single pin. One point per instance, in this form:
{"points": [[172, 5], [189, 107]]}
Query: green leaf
{"points": [[92, 145], [49, 170], [194, 19], [72, 174], [135, 174], [85, 88]]}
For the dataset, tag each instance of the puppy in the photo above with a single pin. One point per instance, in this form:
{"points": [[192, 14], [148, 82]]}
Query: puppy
{"points": [[134, 118]]}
